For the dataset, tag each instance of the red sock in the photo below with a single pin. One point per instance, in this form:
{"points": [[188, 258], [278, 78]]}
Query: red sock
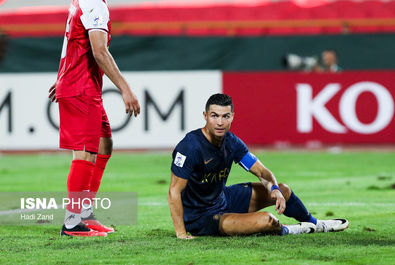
{"points": [[80, 174], [101, 162]]}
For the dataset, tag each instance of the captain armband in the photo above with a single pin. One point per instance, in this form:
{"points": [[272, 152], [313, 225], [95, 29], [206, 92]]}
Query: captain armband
{"points": [[248, 161]]}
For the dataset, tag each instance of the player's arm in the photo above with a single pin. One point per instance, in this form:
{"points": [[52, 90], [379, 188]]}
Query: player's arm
{"points": [[177, 185], [104, 59], [268, 179]]}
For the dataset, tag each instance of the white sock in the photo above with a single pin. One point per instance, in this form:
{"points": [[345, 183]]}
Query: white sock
{"points": [[71, 219], [86, 211]]}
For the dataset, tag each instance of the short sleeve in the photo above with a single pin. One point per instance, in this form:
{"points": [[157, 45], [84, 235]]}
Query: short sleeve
{"points": [[95, 14], [184, 159], [239, 149], [242, 155]]}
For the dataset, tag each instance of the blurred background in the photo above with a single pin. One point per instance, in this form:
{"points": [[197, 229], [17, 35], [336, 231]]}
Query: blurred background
{"points": [[307, 73]]}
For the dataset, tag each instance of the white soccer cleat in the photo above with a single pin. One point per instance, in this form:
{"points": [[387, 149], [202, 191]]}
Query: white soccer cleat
{"points": [[333, 225], [301, 228]]}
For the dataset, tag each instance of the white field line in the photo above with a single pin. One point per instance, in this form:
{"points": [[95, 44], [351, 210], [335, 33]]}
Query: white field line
{"points": [[161, 204]]}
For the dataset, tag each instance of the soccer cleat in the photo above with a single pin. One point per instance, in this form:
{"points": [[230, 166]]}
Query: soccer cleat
{"points": [[301, 228], [92, 223], [80, 230], [333, 225], [96, 225]]}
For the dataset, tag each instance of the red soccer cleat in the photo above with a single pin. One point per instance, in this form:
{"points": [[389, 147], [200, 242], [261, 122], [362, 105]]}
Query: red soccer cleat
{"points": [[97, 226], [80, 230]]}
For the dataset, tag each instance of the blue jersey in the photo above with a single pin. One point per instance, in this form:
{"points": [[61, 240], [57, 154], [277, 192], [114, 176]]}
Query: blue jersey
{"points": [[206, 167]]}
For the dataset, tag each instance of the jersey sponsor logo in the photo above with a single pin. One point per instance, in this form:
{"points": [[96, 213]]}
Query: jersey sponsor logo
{"points": [[208, 161], [179, 160], [215, 176]]}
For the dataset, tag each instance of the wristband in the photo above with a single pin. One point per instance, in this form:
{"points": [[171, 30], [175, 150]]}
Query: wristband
{"points": [[274, 187]]}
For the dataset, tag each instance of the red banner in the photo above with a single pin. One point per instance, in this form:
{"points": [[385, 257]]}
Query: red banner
{"points": [[297, 17], [295, 108]]}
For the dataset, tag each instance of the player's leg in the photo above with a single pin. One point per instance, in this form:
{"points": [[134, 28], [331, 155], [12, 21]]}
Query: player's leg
{"points": [[249, 223], [78, 117], [260, 196], [104, 154], [295, 208], [239, 220], [232, 224], [105, 151]]}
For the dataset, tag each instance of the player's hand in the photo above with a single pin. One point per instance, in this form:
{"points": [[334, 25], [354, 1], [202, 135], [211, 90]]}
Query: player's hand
{"points": [[280, 201], [132, 105], [184, 236], [52, 93]]}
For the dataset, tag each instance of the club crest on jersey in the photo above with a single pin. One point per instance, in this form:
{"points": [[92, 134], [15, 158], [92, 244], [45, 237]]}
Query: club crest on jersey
{"points": [[179, 160]]}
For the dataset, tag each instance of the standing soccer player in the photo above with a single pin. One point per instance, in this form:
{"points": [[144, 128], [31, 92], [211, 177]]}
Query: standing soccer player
{"points": [[84, 126]]}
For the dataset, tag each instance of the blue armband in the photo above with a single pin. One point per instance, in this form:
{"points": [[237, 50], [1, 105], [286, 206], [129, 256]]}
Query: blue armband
{"points": [[274, 187], [248, 161]]}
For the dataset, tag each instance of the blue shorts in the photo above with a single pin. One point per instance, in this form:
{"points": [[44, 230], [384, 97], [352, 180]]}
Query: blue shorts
{"points": [[238, 198]]}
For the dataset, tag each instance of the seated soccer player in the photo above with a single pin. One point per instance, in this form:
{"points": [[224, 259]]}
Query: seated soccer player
{"points": [[201, 204]]}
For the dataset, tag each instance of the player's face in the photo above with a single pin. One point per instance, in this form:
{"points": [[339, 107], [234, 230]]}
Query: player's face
{"points": [[218, 120]]}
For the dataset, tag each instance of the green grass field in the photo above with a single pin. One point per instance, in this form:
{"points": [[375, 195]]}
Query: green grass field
{"points": [[353, 185]]}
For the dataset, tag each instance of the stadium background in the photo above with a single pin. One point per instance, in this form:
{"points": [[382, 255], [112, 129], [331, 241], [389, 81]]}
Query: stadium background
{"points": [[176, 53]]}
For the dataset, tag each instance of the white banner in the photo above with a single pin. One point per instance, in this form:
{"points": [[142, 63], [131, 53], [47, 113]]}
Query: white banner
{"points": [[172, 104]]}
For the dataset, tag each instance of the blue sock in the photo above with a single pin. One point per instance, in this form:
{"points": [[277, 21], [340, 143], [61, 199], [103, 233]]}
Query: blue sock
{"points": [[296, 209]]}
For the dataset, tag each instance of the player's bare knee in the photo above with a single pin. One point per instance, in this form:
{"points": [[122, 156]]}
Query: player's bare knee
{"points": [[273, 222], [270, 219], [91, 157], [83, 155], [285, 190], [266, 221]]}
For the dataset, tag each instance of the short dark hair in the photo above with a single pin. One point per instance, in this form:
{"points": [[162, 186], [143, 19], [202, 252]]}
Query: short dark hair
{"points": [[219, 99]]}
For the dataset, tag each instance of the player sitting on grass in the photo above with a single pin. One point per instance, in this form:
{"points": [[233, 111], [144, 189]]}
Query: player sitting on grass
{"points": [[201, 204]]}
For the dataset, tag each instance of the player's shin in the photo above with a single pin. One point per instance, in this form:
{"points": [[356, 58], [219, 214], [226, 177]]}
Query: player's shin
{"points": [[296, 209], [94, 184], [87, 215], [80, 173], [101, 162]]}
